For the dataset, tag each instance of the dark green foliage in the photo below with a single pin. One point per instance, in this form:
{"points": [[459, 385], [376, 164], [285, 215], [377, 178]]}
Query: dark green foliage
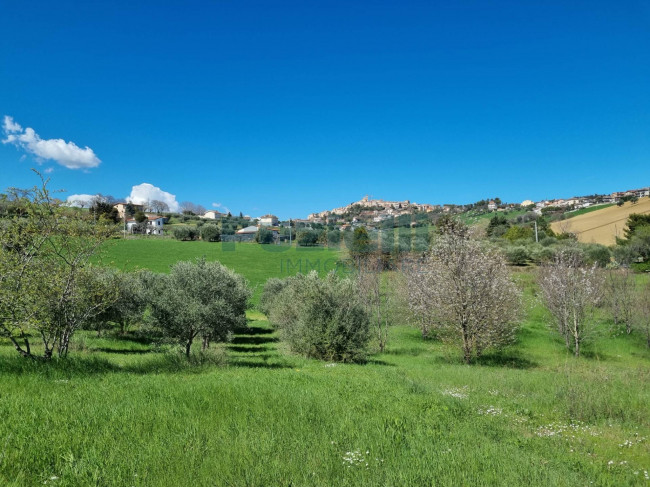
{"points": [[322, 318], [517, 255], [519, 233], [199, 299], [498, 226], [210, 233], [361, 244], [272, 288], [103, 209], [185, 233], [307, 238], [634, 222], [264, 236], [597, 254], [140, 217]]}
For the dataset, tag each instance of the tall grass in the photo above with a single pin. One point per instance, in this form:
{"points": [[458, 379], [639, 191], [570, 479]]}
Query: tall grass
{"points": [[123, 411]]}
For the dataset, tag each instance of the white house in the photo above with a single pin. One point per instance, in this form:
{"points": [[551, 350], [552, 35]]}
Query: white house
{"points": [[492, 205], [269, 220], [154, 225], [213, 215]]}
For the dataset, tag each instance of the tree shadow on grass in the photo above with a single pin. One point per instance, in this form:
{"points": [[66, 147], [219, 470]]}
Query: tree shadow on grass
{"points": [[253, 340], [379, 362], [255, 364], [123, 351], [248, 349], [88, 366], [509, 360], [253, 330]]}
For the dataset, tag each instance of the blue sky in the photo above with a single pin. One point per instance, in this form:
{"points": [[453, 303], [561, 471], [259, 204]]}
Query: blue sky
{"points": [[294, 107]]}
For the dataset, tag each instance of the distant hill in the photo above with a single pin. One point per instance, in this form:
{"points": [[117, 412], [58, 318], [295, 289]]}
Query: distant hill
{"points": [[602, 226]]}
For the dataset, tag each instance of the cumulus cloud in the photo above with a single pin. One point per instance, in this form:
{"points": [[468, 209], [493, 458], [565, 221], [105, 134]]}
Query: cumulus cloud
{"points": [[67, 154], [142, 193], [81, 200]]}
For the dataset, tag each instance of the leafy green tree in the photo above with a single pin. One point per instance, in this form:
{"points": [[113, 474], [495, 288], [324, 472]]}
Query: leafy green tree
{"points": [[130, 304], [634, 222], [264, 236], [140, 217], [322, 318], [103, 209], [518, 233], [210, 233], [498, 221], [307, 238], [199, 299], [361, 244], [47, 284]]}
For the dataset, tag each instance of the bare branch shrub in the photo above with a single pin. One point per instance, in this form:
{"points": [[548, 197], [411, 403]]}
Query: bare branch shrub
{"points": [[462, 291], [571, 291]]}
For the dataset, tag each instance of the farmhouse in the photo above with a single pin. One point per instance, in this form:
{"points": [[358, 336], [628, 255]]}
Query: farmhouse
{"points": [[269, 220], [153, 225], [213, 215]]}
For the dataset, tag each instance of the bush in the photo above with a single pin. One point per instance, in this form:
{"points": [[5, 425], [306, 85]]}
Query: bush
{"points": [[321, 318], [198, 300], [597, 254], [264, 236], [185, 233], [307, 238], [210, 233], [272, 288], [517, 255]]}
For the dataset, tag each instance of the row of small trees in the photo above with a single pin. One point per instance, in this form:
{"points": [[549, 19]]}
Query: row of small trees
{"points": [[49, 287]]}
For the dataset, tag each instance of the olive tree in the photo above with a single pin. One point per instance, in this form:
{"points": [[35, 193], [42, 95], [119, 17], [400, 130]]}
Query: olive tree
{"points": [[322, 318], [571, 291], [47, 283], [199, 299], [462, 290], [130, 304]]}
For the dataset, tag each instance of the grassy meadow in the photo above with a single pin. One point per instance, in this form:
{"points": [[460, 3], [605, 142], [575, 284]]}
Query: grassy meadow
{"points": [[123, 411], [255, 262]]}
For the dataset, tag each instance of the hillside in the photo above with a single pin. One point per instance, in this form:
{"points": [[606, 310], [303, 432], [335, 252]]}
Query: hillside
{"points": [[604, 225]]}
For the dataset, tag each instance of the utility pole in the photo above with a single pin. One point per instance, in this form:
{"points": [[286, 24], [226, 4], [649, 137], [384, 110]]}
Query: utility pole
{"points": [[289, 232], [536, 237]]}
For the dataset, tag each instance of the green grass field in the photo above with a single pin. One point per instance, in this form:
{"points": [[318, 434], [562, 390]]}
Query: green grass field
{"points": [[125, 411], [255, 262]]}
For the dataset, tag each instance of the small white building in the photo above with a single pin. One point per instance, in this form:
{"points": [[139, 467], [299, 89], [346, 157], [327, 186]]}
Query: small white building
{"points": [[153, 225], [492, 205], [213, 215], [269, 220]]}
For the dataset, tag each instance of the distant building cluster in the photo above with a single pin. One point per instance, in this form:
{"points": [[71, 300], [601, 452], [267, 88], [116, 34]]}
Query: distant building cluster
{"points": [[367, 212]]}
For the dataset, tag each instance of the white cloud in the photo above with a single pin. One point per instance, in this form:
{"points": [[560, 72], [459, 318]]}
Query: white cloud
{"points": [[67, 154], [144, 192], [81, 200]]}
